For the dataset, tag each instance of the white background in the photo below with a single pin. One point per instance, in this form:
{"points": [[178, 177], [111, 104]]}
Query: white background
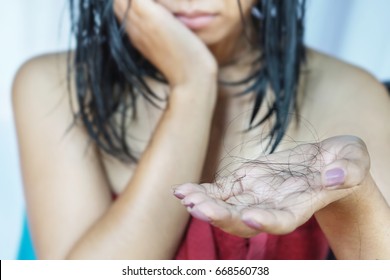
{"points": [[357, 31]]}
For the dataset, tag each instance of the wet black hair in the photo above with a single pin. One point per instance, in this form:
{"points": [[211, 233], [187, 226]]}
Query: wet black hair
{"points": [[110, 72]]}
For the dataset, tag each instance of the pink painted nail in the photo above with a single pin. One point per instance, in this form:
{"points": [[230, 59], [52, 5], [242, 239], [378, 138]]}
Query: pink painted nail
{"points": [[190, 205], [179, 195], [252, 224], [334, 177]]}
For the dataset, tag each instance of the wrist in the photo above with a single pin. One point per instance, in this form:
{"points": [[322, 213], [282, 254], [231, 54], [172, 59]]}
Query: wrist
{"points": [[199, 95], [353, 223], [196, 75], [358, 197]]}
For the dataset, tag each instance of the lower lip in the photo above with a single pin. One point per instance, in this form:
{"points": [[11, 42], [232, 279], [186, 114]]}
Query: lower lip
{"points": [[196, 23]]}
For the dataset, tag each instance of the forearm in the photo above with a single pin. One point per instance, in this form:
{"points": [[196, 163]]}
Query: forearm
{"points": [[146, 222], [358, 226]]}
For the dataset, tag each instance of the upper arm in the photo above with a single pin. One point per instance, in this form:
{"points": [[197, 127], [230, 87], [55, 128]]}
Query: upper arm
{"points": [[65, 187]]}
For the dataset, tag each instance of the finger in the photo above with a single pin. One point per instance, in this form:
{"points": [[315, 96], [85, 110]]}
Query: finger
{"points": [[183, 190], [133, 12], [210, 210], [142, 8], [191, 194], [344, 173], [201, 205], [129, 20], [224, 216], [121, 8], [195, 198], [272, 221], [217, 190]]}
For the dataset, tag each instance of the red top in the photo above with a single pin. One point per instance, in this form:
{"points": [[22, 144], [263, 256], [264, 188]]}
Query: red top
{"points": [[205, 242]]}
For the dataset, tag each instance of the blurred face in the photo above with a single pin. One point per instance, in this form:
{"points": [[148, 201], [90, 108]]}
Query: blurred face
{"points": [[212, 20]]}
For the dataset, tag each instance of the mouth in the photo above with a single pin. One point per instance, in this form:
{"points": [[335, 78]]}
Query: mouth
{"points": [[196, 20]]}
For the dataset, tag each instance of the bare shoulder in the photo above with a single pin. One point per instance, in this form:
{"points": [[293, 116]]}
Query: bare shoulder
{"points": [[51, 63], [344, 99], [42, 81], [326, 72], [336, 88]]}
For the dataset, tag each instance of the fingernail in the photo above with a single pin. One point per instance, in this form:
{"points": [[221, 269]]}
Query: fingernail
{"points": [[190, 205], [252, 224], [334, 177], [200, 215], [179, 195]]}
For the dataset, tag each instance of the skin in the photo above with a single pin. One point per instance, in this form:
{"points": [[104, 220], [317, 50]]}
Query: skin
{"points": [[198, 132]]}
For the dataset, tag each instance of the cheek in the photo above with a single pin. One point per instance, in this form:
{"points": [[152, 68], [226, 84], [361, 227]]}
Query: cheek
{"points": [[232, 10], [168, 4], [246, 6]]}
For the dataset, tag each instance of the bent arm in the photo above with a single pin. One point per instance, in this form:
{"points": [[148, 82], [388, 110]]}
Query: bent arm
{"points": [[145, 221], [68, 196]]}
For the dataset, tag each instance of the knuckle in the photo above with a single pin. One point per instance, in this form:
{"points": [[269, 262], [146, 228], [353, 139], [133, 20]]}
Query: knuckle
{"points": [[356, 141], [121, 5], [143, 8]]}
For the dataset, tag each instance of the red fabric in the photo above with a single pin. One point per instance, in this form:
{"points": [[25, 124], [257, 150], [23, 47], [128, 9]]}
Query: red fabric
{"points": [[205, 242]]}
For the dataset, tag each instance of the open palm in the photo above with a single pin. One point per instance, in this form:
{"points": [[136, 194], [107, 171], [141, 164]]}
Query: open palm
{"points": [[279, 192]]}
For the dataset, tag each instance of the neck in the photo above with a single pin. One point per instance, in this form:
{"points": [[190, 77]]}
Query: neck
{"points": [[235, 56], [229, 50]]}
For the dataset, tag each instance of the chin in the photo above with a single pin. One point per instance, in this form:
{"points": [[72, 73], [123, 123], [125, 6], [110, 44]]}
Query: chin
{"points": [[219, 35], [210, 38]]}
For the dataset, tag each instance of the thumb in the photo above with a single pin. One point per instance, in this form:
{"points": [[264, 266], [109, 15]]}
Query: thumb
{"points": [[344, 173]]}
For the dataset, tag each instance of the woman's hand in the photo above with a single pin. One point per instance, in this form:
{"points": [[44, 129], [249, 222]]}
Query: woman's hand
{"points": [[279, 192], [178, 53]]}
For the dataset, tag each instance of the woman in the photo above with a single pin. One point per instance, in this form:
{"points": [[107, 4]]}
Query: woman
{"points": [[159, 100]]}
